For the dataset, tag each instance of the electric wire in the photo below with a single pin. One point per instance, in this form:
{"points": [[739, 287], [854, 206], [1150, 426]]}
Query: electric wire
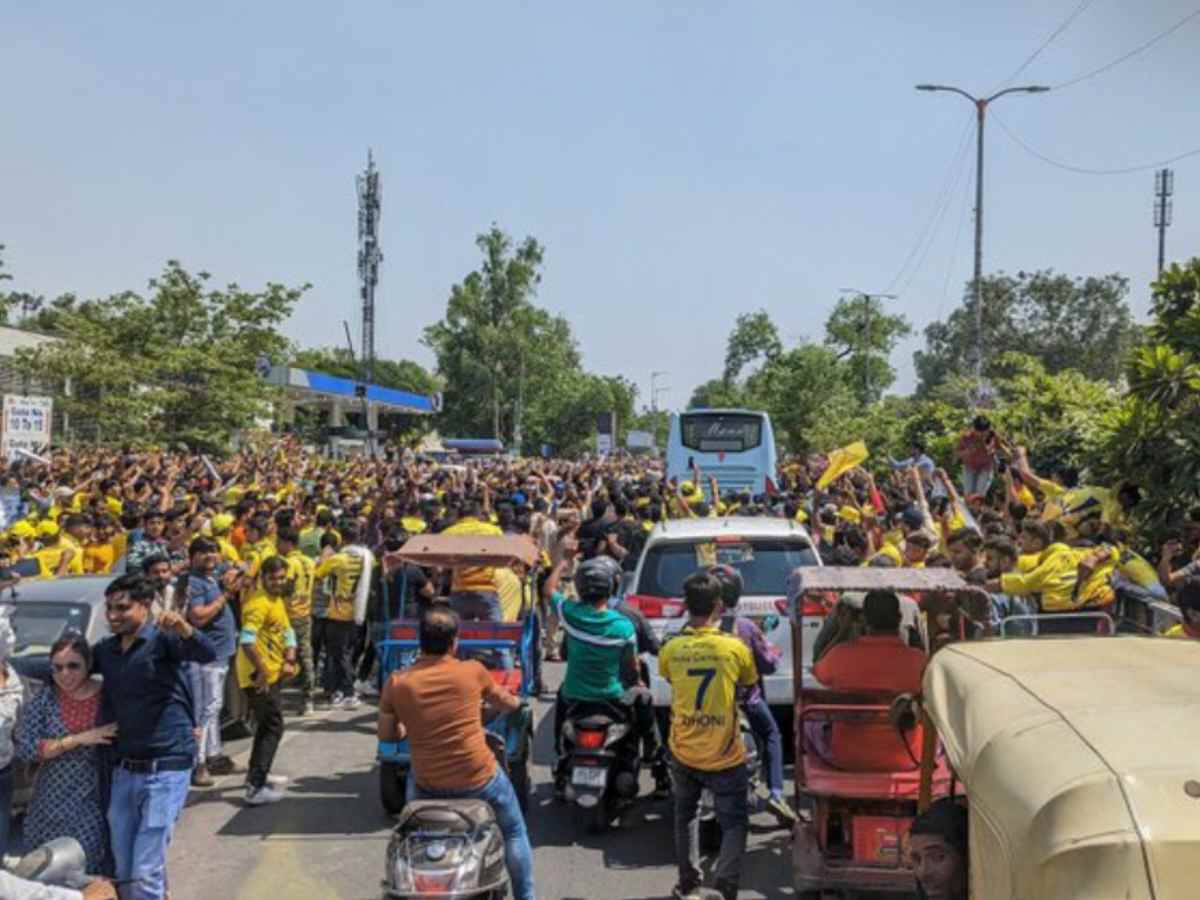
{"points": [[958, 179], [1075, 14], [962, 222], [1132, 53], [939, 206], [1082, 170]]}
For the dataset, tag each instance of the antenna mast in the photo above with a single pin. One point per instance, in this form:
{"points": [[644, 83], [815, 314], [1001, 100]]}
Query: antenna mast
{"points": [[369, 258]]}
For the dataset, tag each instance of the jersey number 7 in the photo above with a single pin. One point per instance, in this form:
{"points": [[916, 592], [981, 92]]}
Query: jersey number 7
{"points": [[706, 676]]}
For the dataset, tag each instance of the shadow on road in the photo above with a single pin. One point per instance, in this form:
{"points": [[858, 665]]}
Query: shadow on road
{"points": [[314, 805]]}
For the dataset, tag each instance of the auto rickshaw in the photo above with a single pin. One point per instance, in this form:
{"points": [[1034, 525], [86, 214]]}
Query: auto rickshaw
{"points": [[490, 642], [854, 818], [1079, 763]]}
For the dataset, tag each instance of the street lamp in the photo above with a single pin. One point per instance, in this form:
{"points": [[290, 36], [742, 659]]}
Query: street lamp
{"points": [[981, 105], [867, 297]]}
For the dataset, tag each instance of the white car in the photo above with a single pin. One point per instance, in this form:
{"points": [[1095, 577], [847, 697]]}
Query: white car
{"points": [[764, 550]]}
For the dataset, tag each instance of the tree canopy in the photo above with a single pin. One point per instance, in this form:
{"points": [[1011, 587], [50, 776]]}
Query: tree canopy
{"points": [[863, 333], [177, 365], [1064, 322]]}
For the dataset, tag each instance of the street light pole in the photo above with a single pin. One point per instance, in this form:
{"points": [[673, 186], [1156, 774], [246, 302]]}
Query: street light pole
{"points": [[981, 105]]}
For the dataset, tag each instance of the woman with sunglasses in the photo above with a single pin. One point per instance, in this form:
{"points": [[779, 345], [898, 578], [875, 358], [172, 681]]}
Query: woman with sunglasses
{"points": [[59, 732]]}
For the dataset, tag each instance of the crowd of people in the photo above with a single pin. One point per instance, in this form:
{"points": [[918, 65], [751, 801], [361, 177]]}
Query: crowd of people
{"points": [[271, 566]]}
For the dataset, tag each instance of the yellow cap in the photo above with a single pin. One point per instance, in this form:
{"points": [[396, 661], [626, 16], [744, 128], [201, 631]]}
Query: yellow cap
{"points": [[23, 529], [221, 523]]}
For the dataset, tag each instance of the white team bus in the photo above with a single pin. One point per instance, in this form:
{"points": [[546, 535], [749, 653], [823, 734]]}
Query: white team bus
{"points": [[736, 446]]}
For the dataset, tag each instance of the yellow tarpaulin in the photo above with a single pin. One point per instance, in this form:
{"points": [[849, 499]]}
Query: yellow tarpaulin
{"points": [[842, 461]]}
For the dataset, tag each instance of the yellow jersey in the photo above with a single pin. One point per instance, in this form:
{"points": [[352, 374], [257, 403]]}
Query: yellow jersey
{"points": [[480, 579], [1055, 577], [265, 625], [705, 667], [302, 573], [346, 569]]}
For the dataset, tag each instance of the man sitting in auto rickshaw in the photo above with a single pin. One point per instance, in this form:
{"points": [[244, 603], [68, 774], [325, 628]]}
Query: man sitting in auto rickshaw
{"points": [[878, 660]]}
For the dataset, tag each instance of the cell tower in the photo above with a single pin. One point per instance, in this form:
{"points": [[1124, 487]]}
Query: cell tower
{"points": [[1164, 187], [369, 257]]}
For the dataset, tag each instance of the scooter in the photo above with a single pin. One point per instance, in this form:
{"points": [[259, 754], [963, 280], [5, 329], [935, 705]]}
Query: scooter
{"points": [[603, 763], [58, 863], [448, 848], [710, 828]]}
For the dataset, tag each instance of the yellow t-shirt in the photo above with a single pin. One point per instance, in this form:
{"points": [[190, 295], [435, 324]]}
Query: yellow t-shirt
{"points": [[1055, 576], [705, 667], [473, 578], [265, 624], [346, 569], [229, 553], [413, 525], [98, 559], [302, 573], [513, 591], [75, 566]]}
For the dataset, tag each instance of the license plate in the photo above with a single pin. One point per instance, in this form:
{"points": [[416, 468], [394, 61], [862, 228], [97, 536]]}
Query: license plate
{"points": [[589, 776]]}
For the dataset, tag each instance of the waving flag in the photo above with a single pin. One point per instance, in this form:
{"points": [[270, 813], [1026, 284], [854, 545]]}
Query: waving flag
{"points": [[842, 461]]}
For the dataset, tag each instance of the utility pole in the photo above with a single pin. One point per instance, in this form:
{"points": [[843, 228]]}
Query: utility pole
{"points": [[981, 105], [654, 392], [1164, 187], [520, 407], [865, 343]]}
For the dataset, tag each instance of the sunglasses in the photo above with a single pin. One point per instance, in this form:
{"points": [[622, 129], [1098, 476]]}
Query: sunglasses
{"points": [[67, 667]]}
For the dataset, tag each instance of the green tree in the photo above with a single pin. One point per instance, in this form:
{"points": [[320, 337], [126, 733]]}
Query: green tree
{"points": [[1066, 323], [754, 336], [800, 388], [1154, 436], [492, 338], [860, 331], [176, 366], [718, 393]]}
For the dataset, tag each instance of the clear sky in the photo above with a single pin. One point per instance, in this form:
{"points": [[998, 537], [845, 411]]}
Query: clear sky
{"points": [[681, 162]]}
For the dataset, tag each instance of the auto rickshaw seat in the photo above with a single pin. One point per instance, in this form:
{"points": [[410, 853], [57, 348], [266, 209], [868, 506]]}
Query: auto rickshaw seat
{"points": [[509, 679], [823, 779]]}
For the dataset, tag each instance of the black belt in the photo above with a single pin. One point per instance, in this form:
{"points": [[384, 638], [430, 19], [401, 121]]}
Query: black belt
{"points": [[162, 764]]}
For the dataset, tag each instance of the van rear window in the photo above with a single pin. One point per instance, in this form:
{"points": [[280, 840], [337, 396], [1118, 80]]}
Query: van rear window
{"points": [[764, 564]]}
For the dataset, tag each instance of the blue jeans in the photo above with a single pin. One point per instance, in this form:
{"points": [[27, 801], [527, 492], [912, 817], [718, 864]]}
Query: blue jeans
{"points": [[141, 819], [977, 481], [481, 606], [499, 794], [6, 793], [763, 724]]}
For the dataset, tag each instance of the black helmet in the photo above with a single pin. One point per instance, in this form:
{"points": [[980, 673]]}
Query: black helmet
{"points": [[731, 584], [597, 577]]}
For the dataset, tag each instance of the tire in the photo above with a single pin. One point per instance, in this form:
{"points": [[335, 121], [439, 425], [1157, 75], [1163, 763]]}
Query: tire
{"points": [[710, 837], [393, 788], [519, 775]]}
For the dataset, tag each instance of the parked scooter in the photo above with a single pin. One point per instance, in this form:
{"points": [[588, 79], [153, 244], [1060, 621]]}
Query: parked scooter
{"points": [[710, 828], [448, 848], [603, 764]]}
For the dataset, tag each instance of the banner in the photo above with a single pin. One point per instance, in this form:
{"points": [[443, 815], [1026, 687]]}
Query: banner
{"points": [[26, 425], [842, 461]]}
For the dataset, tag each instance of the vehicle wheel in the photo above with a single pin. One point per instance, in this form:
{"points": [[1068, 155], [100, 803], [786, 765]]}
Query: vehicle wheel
{"points": [[393, 788], [519, 775], [710, 837]]}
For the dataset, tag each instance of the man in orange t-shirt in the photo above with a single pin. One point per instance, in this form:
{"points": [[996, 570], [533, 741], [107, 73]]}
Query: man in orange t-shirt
{"points": [[879, 660], [435, 703]]}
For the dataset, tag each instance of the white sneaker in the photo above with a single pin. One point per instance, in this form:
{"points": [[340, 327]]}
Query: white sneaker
{"points": [[337, 699], [264, 795], [366, 687], [351, 702], [278, 781]]}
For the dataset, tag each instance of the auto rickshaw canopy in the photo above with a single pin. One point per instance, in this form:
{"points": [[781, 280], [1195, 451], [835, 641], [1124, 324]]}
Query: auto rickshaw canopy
{"points": [[463, 550], [1080, 761]]}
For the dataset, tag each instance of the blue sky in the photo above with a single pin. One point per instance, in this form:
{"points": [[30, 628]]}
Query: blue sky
{"points": [[681, 163]]}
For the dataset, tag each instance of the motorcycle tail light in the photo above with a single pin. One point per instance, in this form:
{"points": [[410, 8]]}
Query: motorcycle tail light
{"points": [[590, 740], [441, 882]]}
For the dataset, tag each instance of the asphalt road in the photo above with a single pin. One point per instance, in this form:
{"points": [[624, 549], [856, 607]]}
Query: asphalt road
{"points": [[328, 837]]}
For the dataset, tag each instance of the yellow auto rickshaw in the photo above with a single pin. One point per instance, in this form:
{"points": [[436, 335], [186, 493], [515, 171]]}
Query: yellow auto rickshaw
{"points": [[1080, 764]]}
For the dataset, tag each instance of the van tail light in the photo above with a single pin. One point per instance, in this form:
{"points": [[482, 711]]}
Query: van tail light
{"points": [[812, 608], [589, 740], [656, 607]]}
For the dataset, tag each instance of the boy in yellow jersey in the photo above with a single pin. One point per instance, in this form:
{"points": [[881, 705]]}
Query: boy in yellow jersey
{"points": [[705, 667], [473, 591], [350, 568], [55, 558], [257, 547], [1188, 599], [302, 575]]}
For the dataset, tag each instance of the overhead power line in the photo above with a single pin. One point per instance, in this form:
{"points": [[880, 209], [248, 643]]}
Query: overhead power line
{"points": [[1086, 171], [1075, 14], [1136, 51], [939, 208]]}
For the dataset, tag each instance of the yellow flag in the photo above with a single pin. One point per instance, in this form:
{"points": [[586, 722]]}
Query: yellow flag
{"points": [[842, 461]]}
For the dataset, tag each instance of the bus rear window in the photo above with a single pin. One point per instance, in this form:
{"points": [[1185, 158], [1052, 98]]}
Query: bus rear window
{"points": [[718, 433]]}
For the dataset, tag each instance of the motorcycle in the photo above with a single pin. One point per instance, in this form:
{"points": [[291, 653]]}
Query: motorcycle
{"points": [[603, 763], [710, 828], [447, 848]]}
